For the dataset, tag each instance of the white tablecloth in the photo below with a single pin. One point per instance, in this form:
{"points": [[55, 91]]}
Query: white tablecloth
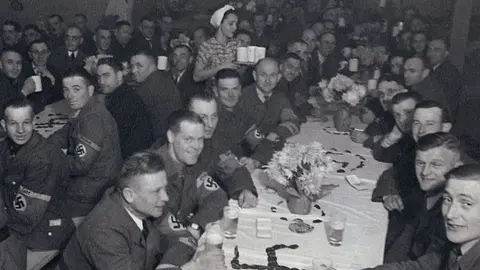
{"points": [[366, 225], [52, 118]]}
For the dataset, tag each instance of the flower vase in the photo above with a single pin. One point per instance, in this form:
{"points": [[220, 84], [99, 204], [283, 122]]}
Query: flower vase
{"points": [[299, 205], [342, 119]]}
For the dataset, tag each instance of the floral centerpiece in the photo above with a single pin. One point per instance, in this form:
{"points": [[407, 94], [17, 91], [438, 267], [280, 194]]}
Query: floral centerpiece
{"points": [[346, 93], [300, 170]]}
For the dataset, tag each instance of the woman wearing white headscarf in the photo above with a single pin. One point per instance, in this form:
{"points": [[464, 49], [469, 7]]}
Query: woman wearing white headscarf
{"points": [[219, 52]]}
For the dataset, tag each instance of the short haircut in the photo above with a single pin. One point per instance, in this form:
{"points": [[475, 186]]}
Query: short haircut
{"points": [[397, 53], [428, 104], [147, 18], [72, 26], [424, 61], [243, 32], [9, 49], [81, 15], [326, 33], [79, 72], [225, 16], [183, 115], [443, 39], [206, 96], [420, 33], [17, 103], [146, 52], [400, 97], [183, 46], [439, 139], [259, 14], [122, 23], [468, 172], [301, 41], [227, 73], [16, 26], [291, 56], [39, 41], [140, 163], [388, 77], [60, 18], [111, 62], [102, 27], [32, 27], [266, 59]]}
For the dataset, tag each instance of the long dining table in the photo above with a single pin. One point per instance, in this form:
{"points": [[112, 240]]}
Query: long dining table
{"points": [[366, 223]]}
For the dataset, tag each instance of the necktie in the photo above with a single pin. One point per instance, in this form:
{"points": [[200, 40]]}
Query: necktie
{"points": [[146, 228], [452, 262], [72, 56], [266, 97]]}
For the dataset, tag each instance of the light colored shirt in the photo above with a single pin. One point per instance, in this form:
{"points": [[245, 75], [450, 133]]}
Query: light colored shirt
{"points": [[75, 53], [136, 220], [262, 96]]}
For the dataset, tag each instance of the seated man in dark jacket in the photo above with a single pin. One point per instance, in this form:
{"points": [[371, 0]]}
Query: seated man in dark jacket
{"points": [[218, 155], [396, 187], [133, 121], [460, 211], [294, 85], [196, 199], [182, 72], [30, 171], [93, 159], [120, 233], [436, 154]]}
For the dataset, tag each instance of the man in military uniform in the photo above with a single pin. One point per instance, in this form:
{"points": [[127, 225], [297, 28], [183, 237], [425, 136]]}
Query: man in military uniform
{"points": [[218, 155], [195, 198], [30, 170], [93, 158]]}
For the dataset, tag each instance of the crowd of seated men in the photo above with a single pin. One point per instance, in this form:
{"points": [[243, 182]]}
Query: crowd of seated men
{"points": [[149, 157]]}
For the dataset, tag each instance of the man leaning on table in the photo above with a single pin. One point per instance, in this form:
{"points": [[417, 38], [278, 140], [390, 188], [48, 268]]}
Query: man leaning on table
{"points": [[196, 199], [30, 170], [120, 233], [397, 187], [93, 159], [436, 154], [268, 113], [461, 215], [217, 155]]}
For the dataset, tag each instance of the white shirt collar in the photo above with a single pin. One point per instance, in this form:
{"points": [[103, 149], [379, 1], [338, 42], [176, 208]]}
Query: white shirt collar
{"points": [[75, 53], [135, 219], [321, 58], [261, 95]]}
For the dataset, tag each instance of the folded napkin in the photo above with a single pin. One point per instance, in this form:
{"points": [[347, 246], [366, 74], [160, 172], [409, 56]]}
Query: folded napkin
{"points": [[357, 183]]}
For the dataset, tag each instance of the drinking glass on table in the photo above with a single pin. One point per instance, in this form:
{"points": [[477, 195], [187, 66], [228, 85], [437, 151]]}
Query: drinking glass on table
{"points": [[335, 228], [214, 237], [230, 221]]}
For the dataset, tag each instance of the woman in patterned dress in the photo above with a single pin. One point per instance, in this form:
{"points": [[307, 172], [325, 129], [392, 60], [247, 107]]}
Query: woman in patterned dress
{"points": [[218, 52]]}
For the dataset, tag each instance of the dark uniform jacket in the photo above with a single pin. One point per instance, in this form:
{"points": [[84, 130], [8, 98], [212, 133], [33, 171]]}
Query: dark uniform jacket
{"points": [[451, 80], [424, 234], [447, 259], [276, 115], [29, 176], [120, 52], [93, 157], [10, 89], [318, 71], [220, 155], [186, 86], [140, 43], [110, 239], [133, 121], [62, 61], [297, 93], [194, 197], [430, 89], [50, 92], [161, 98]]}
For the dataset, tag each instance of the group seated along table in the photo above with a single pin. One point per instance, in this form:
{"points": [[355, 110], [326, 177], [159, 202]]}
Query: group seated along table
{"points": [[366, 224]]}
